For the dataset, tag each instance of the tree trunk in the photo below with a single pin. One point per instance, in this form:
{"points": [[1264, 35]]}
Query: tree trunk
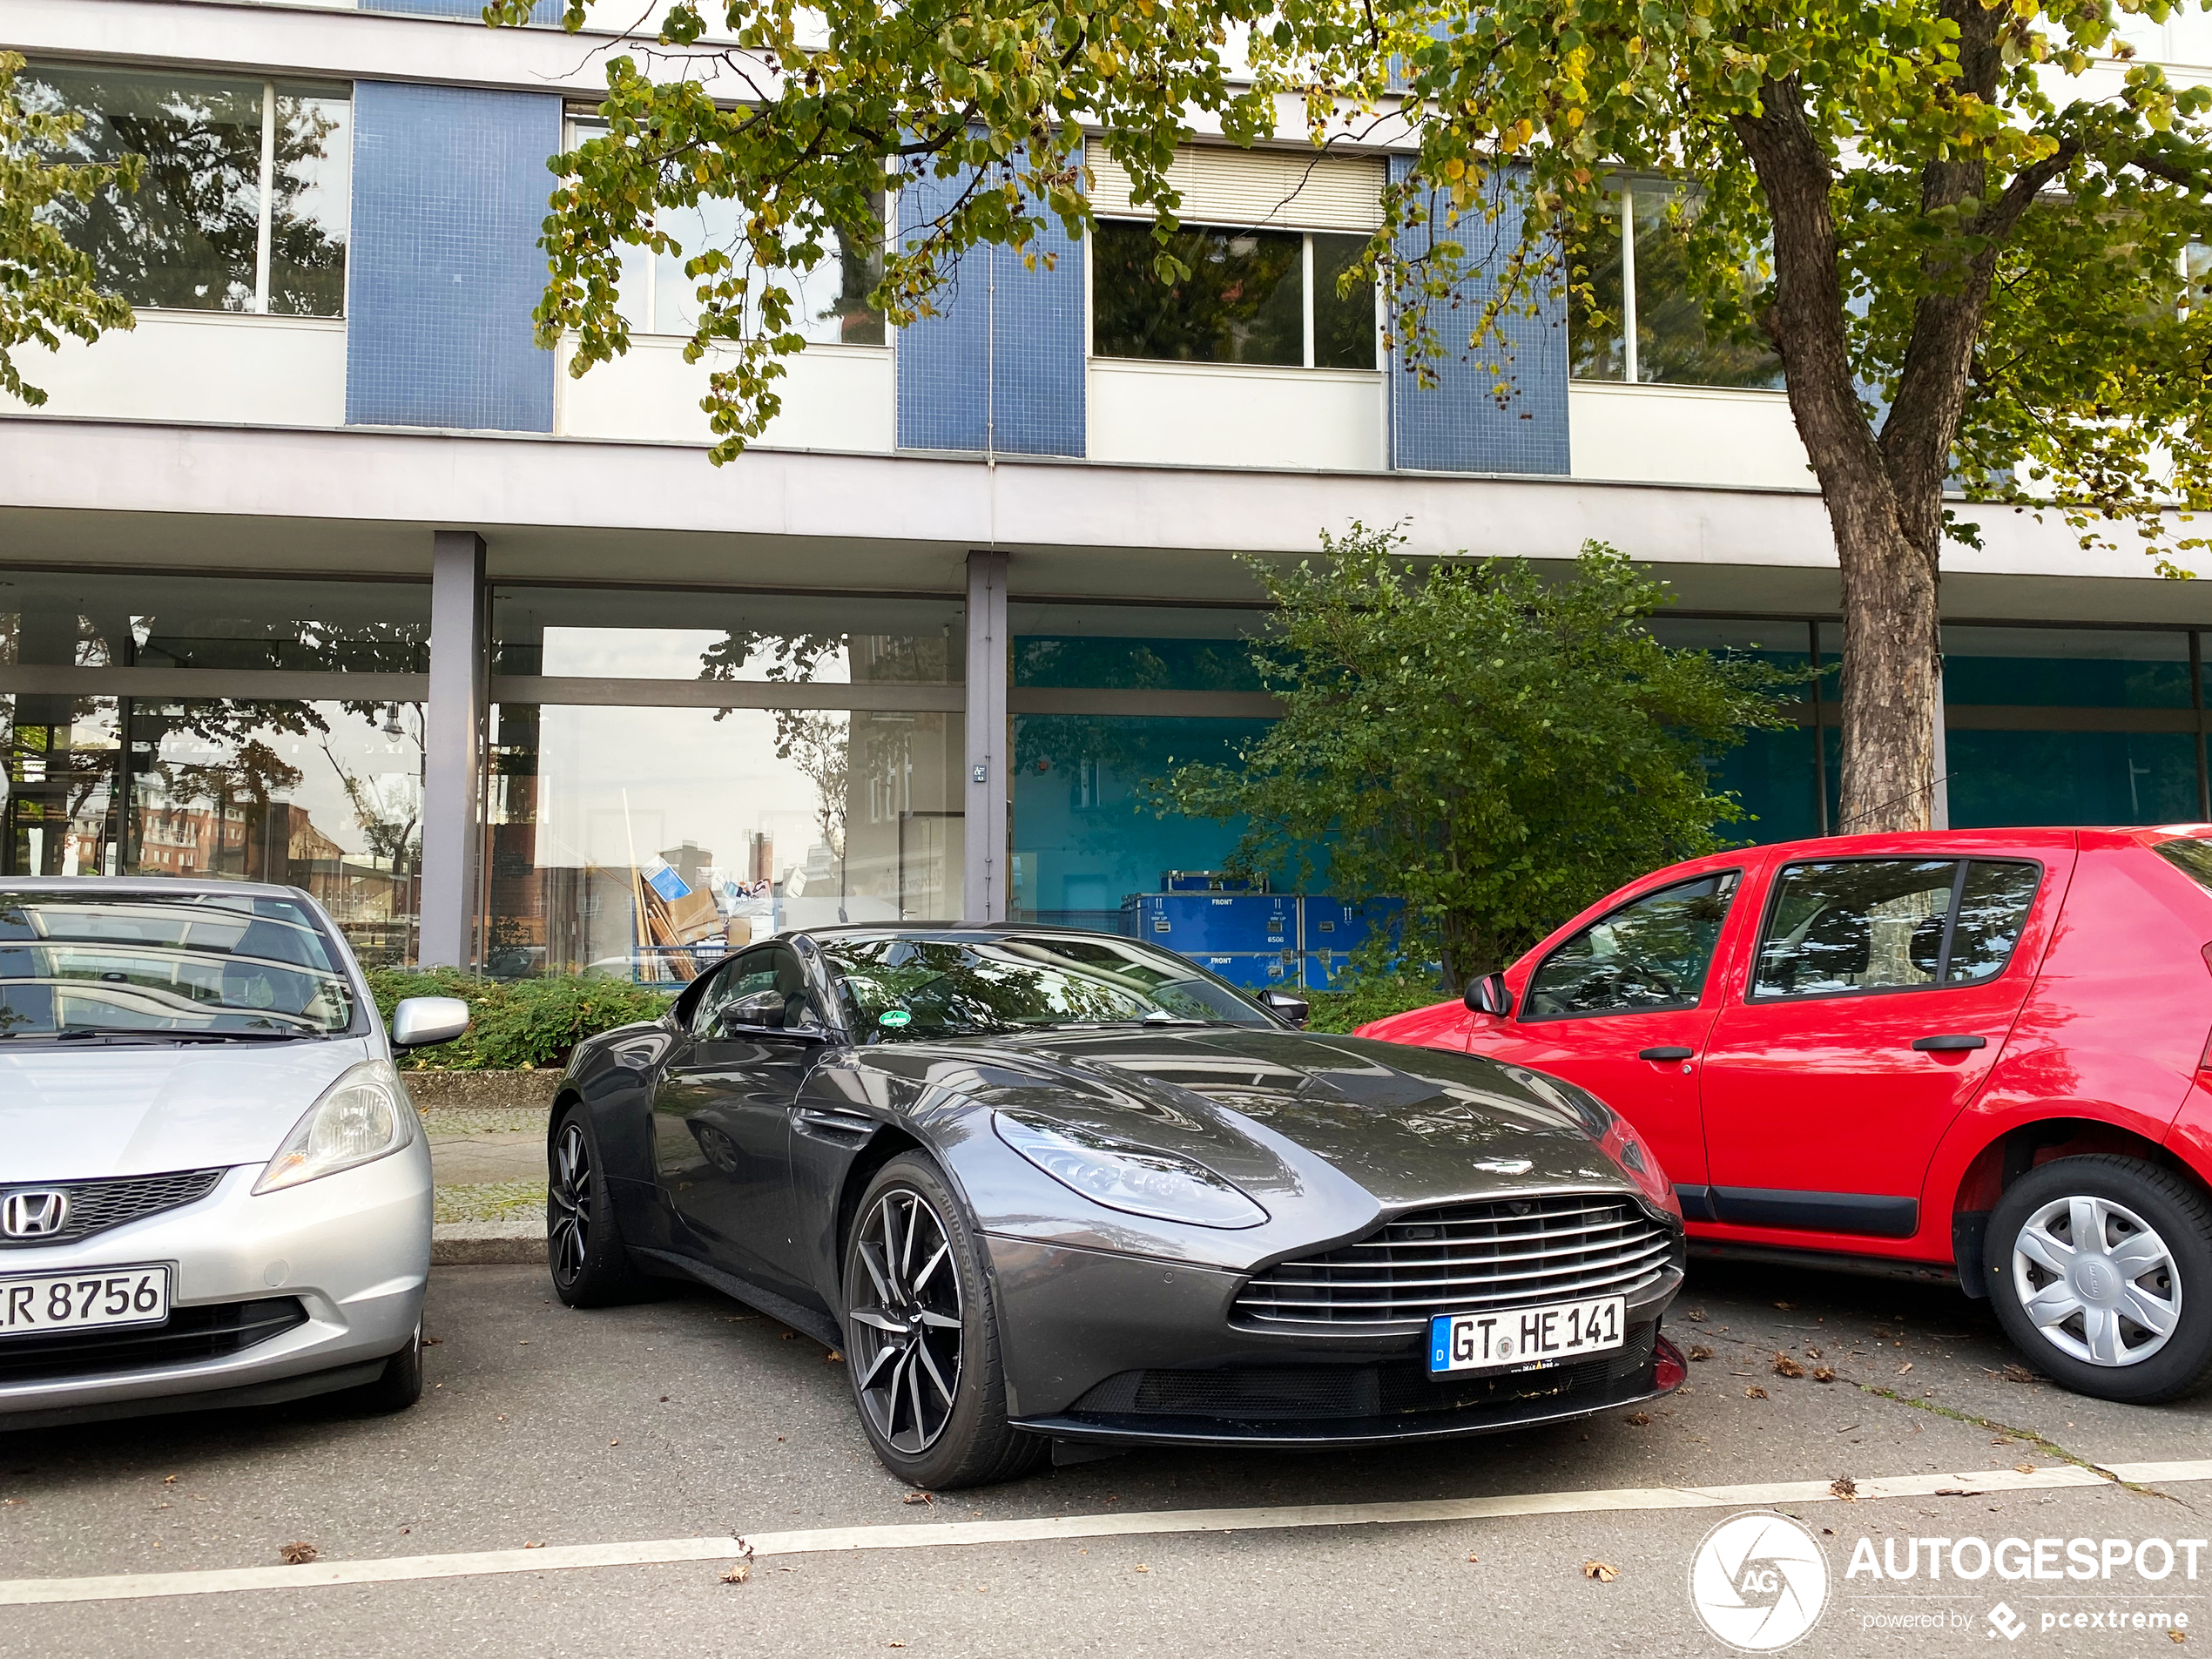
{"points": [[1889, 681]]}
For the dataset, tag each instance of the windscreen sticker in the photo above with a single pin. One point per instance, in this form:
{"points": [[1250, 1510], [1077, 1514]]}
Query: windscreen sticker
{"points": [[894, 1017]]}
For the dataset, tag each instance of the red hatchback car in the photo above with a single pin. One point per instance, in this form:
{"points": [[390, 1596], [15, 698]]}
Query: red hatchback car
{"points": [[1980, 1055]]}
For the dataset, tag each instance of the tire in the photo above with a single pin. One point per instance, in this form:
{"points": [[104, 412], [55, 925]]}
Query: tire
{"points": [[922, 1342], [399, 1386], [583, 1249], [2077, 1321]]}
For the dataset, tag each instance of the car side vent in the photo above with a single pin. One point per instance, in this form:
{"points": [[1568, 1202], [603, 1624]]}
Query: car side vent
{"points": [[95, 1206], [1460, 1258]]}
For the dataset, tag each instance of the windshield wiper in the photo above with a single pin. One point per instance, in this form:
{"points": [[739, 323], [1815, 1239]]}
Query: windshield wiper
{"points": [[78, 1031]]}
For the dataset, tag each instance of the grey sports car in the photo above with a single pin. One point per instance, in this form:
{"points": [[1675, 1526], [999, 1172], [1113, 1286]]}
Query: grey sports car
{"points": [[1047, 1188]]}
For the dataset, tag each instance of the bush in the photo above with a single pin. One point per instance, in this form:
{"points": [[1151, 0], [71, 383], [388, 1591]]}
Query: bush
{"points": [[1370, 996], [517, 1025]]}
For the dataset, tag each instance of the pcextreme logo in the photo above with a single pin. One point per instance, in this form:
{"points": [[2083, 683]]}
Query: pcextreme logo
{"points": [[1759, 1581]]}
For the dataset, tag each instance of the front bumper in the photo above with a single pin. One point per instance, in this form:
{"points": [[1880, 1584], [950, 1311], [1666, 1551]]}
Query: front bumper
{"points": [[354, 1249], [1130, 1349]]}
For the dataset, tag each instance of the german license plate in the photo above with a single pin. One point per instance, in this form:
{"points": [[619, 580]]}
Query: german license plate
{"points": [[46, 1302], [1518, 1338]]}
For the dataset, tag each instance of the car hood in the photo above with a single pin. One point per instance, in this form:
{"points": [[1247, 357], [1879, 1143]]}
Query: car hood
{"points": [[1263, 1108], [73, 1112]]}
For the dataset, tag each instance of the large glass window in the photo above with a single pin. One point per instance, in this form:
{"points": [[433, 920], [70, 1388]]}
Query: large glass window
{"points": [[2107, 667], [1648, 955], [325, 796], [1252, 296], [1631, 314], [648, 842], [107, 620], [1999, 776], [244, 204]]}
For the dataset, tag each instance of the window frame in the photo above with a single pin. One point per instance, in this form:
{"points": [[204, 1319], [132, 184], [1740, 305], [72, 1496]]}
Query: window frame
{"points": [[1964, 861], [1524, 1016], [1306, 233]]}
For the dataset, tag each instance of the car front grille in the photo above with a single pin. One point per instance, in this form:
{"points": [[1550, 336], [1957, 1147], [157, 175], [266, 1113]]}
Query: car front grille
{"points": [[95, 1206], [207, 1332], [1343, 1393], [1500, 1252]]}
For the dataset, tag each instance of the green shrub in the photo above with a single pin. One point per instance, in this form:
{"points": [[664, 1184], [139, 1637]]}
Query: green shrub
{"points": [[517, 1025], [1370, 996]]}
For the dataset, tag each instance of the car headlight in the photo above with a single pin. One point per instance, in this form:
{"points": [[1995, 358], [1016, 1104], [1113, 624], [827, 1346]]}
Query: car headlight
{"points": [[1128, 1179], [364, 1116]]}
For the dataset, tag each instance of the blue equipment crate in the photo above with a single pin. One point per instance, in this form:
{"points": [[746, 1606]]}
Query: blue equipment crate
{"points": [[1197, 923]]}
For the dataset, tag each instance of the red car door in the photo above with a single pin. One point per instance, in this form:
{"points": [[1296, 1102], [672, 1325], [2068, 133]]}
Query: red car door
{"points": [[1621, 1006], [1880, 990]]}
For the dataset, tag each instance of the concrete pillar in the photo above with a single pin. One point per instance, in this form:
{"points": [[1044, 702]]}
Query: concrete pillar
{"points": [[453, 751], [987, 892], [1940, 793]]}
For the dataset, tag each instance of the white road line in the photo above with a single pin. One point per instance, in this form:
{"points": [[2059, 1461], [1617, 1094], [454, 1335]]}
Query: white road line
{"points": [[125, 1586]]}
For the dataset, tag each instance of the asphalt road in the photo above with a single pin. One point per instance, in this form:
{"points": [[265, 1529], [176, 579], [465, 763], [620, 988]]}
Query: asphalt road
{"points": [[692, 1417]]}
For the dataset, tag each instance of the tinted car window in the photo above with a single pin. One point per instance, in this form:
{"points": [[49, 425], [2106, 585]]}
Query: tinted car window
{"points": [[214, 962], [772, 970], [1852, 925], [1651, 953], [2192, 858]]}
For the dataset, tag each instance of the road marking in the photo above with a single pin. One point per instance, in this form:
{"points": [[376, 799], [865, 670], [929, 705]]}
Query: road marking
{"points": [[124, 1587]]}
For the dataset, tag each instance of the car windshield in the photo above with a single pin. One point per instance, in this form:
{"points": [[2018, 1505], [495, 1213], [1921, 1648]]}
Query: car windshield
{"points": [[188, 967], [898, 989]]}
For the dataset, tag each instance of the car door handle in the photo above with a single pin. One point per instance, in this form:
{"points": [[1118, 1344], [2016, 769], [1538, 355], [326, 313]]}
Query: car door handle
{"points": [[1945, 1045], [1664, 1054]]}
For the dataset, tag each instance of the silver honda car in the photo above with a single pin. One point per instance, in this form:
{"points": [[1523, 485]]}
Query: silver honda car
{"points": [[213, 1188]]}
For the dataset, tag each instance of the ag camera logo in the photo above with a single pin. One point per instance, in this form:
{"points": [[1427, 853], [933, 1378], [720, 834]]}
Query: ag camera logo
{"points": [[1759, 1581]]}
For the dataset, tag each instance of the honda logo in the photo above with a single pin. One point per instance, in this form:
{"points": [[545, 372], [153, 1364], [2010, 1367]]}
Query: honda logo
{"points": [[33, 1215]]}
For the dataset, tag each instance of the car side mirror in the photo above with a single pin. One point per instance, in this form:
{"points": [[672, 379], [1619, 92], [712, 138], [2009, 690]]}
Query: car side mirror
{"points": [[1489, 995], [420, 1021], [1292, 1009], [762, 1011]]}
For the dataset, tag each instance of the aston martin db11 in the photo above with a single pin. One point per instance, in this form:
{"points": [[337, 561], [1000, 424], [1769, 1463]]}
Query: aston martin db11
{"points": [[1052, 1187]]}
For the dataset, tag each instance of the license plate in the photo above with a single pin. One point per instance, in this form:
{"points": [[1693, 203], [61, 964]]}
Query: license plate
{"points": [[1521, 1338], [46, 1302]]}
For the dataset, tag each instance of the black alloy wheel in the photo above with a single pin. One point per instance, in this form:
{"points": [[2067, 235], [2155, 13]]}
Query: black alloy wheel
{"points": [[921, 1338], [583, 1247]]}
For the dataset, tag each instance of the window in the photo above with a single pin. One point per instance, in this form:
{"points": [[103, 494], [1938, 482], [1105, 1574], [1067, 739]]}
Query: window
{"points": [[1252, 296], [1891, 925], [1650, 955], [1631, 315], [2192, 858], [244, 203]]}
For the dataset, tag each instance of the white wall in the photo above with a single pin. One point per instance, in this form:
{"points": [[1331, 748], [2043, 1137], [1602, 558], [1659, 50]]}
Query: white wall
{"points": [[210, 367], [835, 397], [1223, 415], [1684, 435]]}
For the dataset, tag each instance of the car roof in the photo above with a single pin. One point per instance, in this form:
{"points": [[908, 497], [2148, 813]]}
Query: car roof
{"points": [[163, 885]]}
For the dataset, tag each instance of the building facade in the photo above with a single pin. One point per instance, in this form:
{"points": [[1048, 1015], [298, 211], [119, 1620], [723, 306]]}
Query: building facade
{"points": [[328, 573]]}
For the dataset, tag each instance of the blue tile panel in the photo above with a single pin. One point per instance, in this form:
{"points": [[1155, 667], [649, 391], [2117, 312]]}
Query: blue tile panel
{"points": [[543, 11], [1001, 367], [449, 190], [1460, 424]]}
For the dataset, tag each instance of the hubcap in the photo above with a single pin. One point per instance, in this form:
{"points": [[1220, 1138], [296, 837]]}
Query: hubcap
{"points": [[568, 1203], [2097, 1281], [906, 1320]]}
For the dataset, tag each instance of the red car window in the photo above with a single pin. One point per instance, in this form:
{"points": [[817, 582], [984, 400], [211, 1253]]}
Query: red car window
{"points": [[1649, 955], [1845, 926]]}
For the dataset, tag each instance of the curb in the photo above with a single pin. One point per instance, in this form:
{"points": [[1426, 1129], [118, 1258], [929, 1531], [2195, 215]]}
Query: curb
{"points": [[485, 1244]]}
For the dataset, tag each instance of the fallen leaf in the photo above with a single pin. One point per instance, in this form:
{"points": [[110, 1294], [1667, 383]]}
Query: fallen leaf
{"points": [[1141, 1568], [499, 1419], [533, 1543], [1907, 1367], [1639, 1419], [1844, 1488], [1754, 1393], [918, 1497], [1824, 1374], [1811, 1353], [1698, 1351], [1957, 1492], [432, 1342], [297, 1554], [1785, 1366], [2024, 1468], [2018, 1374], [2001, 1440], [1694, 1313], [1474, 1558], [1787, 1307], [739, 1573], [2177, 1636], [614, 1442], [788, 1336], [523, 1342], [834, 1356], [1603, 1572], [168, 1480]]}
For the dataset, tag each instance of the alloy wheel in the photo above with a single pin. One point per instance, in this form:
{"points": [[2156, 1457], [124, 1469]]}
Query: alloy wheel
{"points": [[569, 1192], [905, 1341], [2097, 1281]]}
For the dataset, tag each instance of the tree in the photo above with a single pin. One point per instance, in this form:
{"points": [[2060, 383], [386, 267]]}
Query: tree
{"points": [[47, 287], [1495, 750], [1964, 237]]}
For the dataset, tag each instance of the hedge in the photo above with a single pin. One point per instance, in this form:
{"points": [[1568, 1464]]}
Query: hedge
{"points": [[1370, 996], [517, 1025]]}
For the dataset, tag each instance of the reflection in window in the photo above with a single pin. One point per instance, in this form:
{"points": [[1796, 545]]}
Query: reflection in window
{"points": [[1246, 299], [91, 620], [323, 796], [1631, 314], [1855, 925], [1650, 955], [646, 843], [244, 205]]}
